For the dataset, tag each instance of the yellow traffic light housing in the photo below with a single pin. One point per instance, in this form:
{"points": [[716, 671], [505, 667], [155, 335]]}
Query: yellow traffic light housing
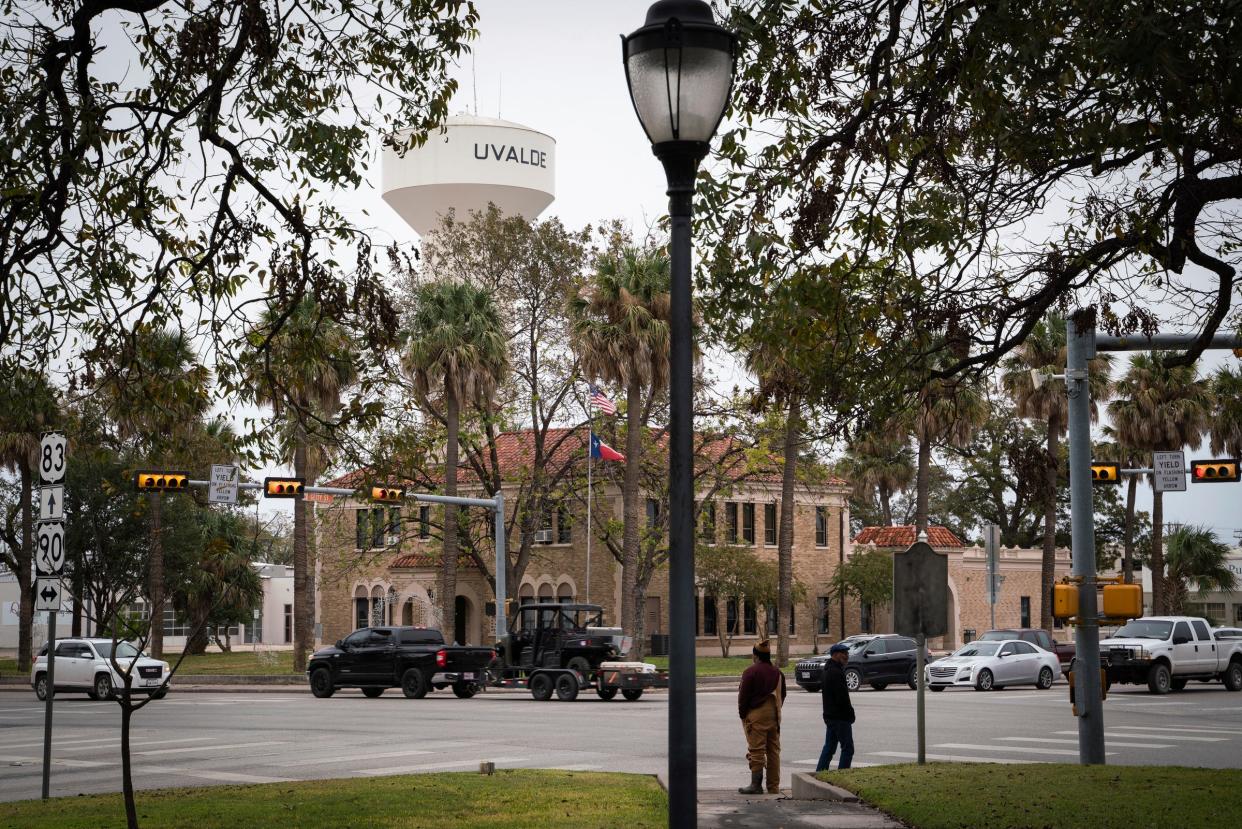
{"points": [[1065, 601], [283, 487], [148, 480], [1122, 601], [388, 494], [1105, 473], [1214, 472]]}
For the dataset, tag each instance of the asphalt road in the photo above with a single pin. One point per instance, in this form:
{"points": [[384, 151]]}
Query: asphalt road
{"points": [[235, 737]]}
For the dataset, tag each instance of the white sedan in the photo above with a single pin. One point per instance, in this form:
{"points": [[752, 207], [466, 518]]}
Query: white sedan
{"points": [[988, 665], [86, 665]]}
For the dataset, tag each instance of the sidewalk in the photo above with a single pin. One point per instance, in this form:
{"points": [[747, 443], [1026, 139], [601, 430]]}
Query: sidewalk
{"points": [[721, 808]]}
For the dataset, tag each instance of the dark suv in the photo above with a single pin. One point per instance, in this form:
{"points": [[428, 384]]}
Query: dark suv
{"points": [[878, 661]]}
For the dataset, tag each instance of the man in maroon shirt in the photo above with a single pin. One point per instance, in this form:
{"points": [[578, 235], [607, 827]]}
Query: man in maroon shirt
{"points": [[759, 701]]}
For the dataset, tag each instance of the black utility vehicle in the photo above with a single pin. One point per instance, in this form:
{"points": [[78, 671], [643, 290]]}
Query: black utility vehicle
{"points": [[879, 661], [416, 660], [564, 648]]}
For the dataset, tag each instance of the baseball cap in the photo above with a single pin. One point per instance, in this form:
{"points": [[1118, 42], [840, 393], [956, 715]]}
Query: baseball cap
{"points": [[838, 648]]}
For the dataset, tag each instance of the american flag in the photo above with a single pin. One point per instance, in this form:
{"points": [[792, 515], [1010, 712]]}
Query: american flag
{"points": [[600, 401]]}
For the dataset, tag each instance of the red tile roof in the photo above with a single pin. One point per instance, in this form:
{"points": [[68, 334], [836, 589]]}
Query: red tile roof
{"points": [[426, 560], [515, 452], [905, 536]]}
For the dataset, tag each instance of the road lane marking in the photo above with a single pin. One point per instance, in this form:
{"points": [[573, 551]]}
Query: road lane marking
{"points": [[1190, 729], [815, 761], [1075, 742], [140, 744], [315, 761], [1024, 749], [210, 748], [219, 776], [1178, 737], [951, 758], [453, 764], [57, 738], [58, 761]]}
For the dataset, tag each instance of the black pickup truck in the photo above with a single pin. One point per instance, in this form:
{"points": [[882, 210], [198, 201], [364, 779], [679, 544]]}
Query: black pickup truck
{"points": [[416, 660]]}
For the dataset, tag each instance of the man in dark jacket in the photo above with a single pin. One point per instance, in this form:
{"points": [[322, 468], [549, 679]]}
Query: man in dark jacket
{"points": [[759, 701], [838, 712]]}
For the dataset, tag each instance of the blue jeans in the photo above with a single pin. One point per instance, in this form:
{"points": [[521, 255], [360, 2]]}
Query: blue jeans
{"points": [[839, 731]]}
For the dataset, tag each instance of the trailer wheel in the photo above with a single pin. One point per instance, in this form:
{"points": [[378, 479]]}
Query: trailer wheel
{"points": [[631, 693], [566, 687], [541, 687], [465, 690], [606, 692]]}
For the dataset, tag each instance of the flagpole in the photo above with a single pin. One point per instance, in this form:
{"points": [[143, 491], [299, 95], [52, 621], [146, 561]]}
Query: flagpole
{"points": [[590, 528]]}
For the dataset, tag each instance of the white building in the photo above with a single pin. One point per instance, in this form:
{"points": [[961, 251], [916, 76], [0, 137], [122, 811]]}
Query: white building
{"points": [[1217, 607]]}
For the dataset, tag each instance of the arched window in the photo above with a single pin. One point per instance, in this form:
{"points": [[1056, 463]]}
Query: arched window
{"points": [[361, 613], [526, 595], [545, 592], [564, 592]]}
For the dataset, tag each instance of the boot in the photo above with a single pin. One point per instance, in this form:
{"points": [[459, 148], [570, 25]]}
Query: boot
{"points": [[756, 784]]}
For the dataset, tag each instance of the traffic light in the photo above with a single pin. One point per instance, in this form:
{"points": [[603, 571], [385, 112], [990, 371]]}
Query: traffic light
{"points": [[388, 494], [1214, 472], [1105, 473], [161, 481], [1064, 601], [283, 487]]}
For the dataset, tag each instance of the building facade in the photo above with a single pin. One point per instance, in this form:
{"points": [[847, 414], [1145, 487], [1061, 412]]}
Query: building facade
{"points": [[380, 564]]}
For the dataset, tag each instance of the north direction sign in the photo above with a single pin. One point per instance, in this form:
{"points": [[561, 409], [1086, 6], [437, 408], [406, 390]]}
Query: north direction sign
{"points": [[51, 503]]}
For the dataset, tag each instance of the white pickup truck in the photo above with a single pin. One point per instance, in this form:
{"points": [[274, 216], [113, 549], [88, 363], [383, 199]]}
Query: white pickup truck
{"points": [[1167, 651]]}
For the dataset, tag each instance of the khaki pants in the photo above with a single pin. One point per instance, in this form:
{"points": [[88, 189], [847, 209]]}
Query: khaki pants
{"points": [[763, 741]]}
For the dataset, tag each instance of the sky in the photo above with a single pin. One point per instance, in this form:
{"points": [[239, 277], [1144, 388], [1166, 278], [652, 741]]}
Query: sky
{"points": [[555, 66]]}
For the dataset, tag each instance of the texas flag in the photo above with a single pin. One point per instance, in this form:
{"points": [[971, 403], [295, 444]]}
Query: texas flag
{"points": [[603, 451]]}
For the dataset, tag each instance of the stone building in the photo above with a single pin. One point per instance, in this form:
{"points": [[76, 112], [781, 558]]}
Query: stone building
{"points": [[381, 564], [970, 612]]}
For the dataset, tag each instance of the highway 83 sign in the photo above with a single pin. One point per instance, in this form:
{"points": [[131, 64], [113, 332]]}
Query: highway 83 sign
{"points": [[52, 450]]}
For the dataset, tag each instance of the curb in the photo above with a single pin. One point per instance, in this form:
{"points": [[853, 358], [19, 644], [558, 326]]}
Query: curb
{"points": [[807, 787]]}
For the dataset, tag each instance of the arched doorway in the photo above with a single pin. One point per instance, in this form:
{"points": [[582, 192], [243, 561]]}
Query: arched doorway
{"points": [[362, 612], [407, 613], [461, 612]]}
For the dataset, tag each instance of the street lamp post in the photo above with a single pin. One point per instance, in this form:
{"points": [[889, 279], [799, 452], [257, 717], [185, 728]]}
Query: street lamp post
{"points": [[679, 67]]}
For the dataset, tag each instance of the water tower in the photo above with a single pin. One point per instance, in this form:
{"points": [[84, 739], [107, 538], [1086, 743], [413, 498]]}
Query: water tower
{"points": [[469, 163]]}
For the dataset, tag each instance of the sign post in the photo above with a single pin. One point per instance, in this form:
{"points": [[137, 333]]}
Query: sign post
{"points": [[991, 543], [1169, 471], [49, 567], [921, 609]]}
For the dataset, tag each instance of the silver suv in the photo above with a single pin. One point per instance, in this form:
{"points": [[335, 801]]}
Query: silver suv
{"points": [[86, 665]]}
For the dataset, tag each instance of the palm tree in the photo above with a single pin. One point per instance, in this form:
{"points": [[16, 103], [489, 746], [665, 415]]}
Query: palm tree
{"points": [[619, 324], [457, 351], [1158, 408], [28, 406], [948, 411], [1129, 458], [1196, 558], [157, 393], [1226, 425], [307, 362], [880, 464], [1045, 350]]}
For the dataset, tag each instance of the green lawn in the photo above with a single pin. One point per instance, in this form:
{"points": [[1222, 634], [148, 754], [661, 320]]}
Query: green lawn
{"points": [[525, 799], [8, 667], [237, 662], [710, 665], [997, 796]]}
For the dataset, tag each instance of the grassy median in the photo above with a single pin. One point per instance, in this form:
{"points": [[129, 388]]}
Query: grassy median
{"points": [[521, 799], [996, 796], [710, 665]]}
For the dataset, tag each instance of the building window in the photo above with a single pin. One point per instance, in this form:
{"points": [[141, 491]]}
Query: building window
{"points": [[1237, 614], [424, 522], [174, 626], [394, 527], [730, 522], [564, 593], [769, 524], [750, 620], [793, 613], [707, 523], [371, 526], [824, 611], [748, 523], [1026, 612], [731, 617], [821, 526], [289, 623], [363, 519], [361, 608], [653, 513], [866, 617], [564, 525], [769, 621], [709, 615]]}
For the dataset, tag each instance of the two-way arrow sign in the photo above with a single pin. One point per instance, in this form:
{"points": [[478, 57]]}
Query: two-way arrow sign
{"points": [[48, 594]]}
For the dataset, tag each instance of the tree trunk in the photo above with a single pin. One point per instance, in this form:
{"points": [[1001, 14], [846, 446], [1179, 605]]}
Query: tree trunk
{"points": [[78, 600], [1127, 562], [640, 619], [784, 548], [25, 561], [448, 568], [630, 514], [886, 504], [1157, 554], [924, 475], [1047, 573], [127, 774], [155, 577], [303, 593]]}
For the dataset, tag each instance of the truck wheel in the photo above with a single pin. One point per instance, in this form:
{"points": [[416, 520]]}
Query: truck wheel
{"points": [[465, 690], [985, 681], [853, 678], [566, 688], [414, 684], [541, 687], [1233, 676], [1159, 680], [631, 693], [606, 692], [1045, 679], [1178, 683], [372, 693], [321, 683]]}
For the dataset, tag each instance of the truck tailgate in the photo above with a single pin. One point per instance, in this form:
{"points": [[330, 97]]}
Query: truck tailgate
{"points": [[466, 659]]}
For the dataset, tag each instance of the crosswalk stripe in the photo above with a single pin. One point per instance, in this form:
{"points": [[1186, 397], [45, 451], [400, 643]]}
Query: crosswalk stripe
{"points": [[950, 758], [453, 764], [209, 748], [1178, 737], [116, 744], [1068, 741], [1191, 729], [57, 739], [208, 774], [1024, 749], [315, 761]]}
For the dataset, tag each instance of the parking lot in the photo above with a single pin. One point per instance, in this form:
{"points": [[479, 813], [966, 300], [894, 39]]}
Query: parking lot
{"points": [[235, 737]]}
